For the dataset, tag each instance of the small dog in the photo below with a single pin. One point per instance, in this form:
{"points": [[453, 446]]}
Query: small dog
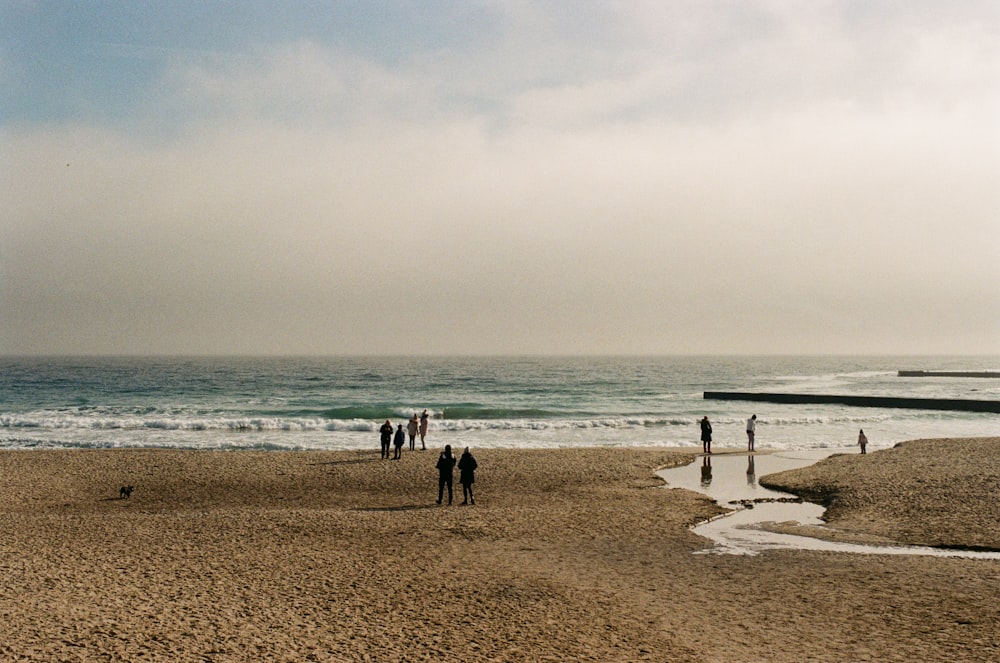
{"points": [[125, 492]]}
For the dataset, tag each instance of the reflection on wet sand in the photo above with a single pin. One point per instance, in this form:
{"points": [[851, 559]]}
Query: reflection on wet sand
{"points": [[706, 472]]}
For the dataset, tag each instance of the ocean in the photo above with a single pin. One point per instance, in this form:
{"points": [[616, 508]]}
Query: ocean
{"points": [[277, 403]]}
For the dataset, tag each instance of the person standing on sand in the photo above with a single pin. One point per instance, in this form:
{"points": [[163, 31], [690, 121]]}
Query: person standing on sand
{"points": [[398, 441], [706, 435], [445, 465], [751, 429], [467, 476], [862, 440], [423, 429], [411, 430], [385, 432]]}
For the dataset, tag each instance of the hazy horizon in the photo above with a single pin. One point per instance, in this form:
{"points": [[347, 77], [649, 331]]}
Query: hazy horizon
{"points": [[536, 355], [483, 178]]}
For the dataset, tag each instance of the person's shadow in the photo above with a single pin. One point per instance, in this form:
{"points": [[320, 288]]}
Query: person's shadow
{"points": [[706, 472], [751, 473]]}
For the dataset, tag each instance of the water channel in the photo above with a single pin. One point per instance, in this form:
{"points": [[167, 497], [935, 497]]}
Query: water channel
{"points": [[731, 478]]}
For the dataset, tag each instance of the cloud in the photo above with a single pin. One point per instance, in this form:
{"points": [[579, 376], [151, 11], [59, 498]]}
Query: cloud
{"points": [[772, 183]]}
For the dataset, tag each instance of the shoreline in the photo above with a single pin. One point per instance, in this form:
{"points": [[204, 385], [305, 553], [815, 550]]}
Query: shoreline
{"points": [[567, 554]]}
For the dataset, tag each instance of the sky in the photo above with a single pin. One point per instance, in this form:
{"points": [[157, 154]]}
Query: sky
{"points": [[495, 177]]}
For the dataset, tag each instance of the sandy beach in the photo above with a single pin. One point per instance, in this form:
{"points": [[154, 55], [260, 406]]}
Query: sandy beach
{"points": [[569, 554]]}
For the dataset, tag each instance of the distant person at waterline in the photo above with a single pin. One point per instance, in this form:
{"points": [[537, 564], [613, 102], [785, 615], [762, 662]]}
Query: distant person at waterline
{"points": [[398, 441], [751, 429], [385, 433], [423, 429], [862, 440], [411, 430], [467, 475], [706, 435]]}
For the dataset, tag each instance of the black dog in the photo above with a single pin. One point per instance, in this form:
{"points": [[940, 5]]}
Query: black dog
{"points": [[125, 492]]}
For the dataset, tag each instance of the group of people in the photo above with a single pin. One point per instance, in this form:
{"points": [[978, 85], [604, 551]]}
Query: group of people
{"points": [[706, 435], [397, 439], [446, 462], [466, 474]]}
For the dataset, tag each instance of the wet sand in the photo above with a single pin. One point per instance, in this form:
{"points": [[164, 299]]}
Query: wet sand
{"points": [[573, 554]]}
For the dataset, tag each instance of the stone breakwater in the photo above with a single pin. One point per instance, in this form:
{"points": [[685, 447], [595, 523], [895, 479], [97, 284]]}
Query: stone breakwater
{"points": [[957, 404], [949, 374]]}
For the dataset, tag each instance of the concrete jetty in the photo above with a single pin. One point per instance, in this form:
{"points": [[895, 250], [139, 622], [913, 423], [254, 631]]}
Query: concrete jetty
{"points": [[956, 404], [949, 374]]}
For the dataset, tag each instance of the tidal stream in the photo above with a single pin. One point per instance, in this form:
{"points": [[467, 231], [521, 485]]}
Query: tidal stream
{"points": [[730, 479]]}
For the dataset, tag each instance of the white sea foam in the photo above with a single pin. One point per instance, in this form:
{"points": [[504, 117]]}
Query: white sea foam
{"points": [[499, 402]]}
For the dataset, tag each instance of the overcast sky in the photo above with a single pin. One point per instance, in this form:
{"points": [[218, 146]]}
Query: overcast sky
{"points": [[499, 177]]}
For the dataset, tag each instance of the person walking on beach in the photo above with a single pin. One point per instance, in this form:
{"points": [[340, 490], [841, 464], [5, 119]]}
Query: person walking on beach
{"points": [[706, 435], [423, 429], [445, 465], [862, 440], [751, 428], [467, 476], [411, 430], [398, 441], [385, 432]]}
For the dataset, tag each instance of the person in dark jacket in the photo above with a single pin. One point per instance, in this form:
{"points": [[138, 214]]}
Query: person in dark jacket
{"points": [[385, 433], [445, 466], [706, 435], [398, 442], [467, 476]]}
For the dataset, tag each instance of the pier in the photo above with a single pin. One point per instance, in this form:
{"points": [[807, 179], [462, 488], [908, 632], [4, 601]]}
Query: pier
{"points": [[949, 374], [956, 404]]}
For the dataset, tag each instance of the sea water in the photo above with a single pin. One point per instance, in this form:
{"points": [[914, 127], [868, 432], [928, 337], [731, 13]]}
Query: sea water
{"points": [[484, 402]]}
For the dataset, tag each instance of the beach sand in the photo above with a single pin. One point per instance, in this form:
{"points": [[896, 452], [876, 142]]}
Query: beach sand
{"points": [[570, 554], [923, 492]]}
